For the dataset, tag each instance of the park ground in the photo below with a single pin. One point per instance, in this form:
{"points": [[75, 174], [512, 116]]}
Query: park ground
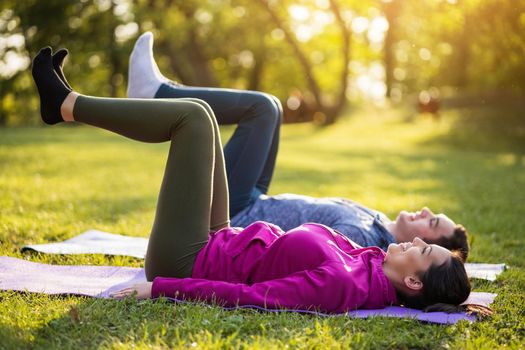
{"points": [[56, 182]]}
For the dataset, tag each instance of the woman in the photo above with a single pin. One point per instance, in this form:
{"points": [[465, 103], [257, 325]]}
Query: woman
{"points": [[194, 254]]}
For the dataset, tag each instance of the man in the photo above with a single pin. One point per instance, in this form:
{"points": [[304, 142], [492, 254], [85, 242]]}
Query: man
{"points": [[362, 225], [250, 159]]}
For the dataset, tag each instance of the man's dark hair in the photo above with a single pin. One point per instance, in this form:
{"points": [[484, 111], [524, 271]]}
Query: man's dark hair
{"points": [[445, 287], [458, 242]]}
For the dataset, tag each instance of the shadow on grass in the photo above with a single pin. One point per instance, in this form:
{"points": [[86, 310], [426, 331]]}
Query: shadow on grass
{"points": [[106, 323], [12, 338], [490, 129], [58, 134], [95, 323], [401, 168], [106, 208]]}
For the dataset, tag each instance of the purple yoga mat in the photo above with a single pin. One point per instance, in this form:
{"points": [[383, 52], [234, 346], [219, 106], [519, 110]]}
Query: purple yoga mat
{"points": [[92, 281], [100, 281]]}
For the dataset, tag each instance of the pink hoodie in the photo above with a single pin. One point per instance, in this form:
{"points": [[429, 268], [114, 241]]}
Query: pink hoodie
{"points": [[309, 267]]}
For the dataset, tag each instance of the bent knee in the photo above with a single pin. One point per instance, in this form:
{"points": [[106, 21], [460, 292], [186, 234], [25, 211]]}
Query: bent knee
{"points": [[200, 102], [278, 105], [269, 110], [198, 120]]}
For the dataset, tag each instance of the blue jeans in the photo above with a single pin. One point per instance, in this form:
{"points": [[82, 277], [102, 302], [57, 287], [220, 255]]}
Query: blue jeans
{"points": [[251, 152]]}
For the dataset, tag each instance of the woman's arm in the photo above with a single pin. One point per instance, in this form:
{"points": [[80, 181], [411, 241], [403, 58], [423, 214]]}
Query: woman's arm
{"points": [[321, 288], [138, 290]]}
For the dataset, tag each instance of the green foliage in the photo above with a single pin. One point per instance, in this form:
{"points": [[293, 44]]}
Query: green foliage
{"points": [[56, 182], [469, 45]]}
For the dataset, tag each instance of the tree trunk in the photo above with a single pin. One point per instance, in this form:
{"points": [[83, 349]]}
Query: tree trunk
{"points": [[333, 112], [4, 86], [329, 114], [177, 64], [301, 57], [462, 48], [199, 62], [254, 80], [391, 10], [114, 58], [203, 74]]}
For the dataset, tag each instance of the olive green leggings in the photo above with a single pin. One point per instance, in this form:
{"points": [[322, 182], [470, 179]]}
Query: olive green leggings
{"points": [[193, 196]]}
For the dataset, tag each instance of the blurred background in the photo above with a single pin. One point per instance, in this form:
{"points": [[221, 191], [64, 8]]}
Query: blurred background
{"points": [[317, 56]]}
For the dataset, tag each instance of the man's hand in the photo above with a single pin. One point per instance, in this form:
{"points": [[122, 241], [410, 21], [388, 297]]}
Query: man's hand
{"points": [[139, 291]]}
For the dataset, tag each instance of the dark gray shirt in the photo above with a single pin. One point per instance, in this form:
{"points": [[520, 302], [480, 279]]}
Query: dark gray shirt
{"points": [[364, 226]]}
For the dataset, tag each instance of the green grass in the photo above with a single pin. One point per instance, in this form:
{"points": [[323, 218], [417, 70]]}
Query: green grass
{"points": [[56, 182]]}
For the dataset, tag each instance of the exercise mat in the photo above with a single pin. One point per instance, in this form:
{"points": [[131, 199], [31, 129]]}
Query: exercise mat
{"points": [[95, 242], [99, 242], [100, 281]]}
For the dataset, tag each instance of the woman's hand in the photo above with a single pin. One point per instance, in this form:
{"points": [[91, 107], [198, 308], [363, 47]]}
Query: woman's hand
{"points": [[139, 291]]}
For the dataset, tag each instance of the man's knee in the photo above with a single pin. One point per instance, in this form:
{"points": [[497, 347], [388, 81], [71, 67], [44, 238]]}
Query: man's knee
{"points": [[268, 110], [278, 105]]}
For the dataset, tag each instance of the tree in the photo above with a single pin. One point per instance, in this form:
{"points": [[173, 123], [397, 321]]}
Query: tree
{"points": [[329, 113], [391, 9]]}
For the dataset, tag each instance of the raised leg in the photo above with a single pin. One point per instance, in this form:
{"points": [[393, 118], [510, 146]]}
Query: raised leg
{"points": [[219, 216], [251, 152], [182, 218]]}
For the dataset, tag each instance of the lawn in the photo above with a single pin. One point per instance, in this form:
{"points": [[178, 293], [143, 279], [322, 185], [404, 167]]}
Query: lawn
{"points": [[56, 182]]}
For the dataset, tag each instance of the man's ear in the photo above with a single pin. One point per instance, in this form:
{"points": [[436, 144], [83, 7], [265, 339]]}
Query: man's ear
{"points": [[413, 282]]}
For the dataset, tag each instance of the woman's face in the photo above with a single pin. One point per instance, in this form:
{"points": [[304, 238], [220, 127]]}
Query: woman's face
{"points": [[411, 259]]}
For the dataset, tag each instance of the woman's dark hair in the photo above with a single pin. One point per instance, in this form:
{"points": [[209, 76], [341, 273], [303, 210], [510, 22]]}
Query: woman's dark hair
{"points": [[445, 287], [458, 242]]}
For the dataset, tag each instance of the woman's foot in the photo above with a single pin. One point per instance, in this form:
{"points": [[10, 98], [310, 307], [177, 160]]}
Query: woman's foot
{"points": [[51, 89], [58, 63], [144, 77]]}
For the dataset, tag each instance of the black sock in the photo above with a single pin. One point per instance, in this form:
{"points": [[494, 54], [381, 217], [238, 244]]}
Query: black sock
{"points": [[58, 63], [50, 88]]}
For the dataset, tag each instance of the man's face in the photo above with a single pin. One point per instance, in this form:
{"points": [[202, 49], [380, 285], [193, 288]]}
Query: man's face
{"points": [[415, 257], [424, 224]]}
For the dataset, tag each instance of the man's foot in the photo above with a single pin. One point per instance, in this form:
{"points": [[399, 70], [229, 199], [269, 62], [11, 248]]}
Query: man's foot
{"points": [[58, 63], [144, 77], [51, 89]]}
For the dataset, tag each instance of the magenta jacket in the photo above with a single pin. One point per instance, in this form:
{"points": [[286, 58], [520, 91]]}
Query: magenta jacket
{"points": [[311, 267]]}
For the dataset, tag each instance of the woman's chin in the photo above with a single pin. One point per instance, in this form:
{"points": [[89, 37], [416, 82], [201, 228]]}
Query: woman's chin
{"points": [[388, 250]]}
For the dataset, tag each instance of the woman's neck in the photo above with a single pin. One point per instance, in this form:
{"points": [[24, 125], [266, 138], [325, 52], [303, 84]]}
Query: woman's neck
{"points": [[396, 279]]}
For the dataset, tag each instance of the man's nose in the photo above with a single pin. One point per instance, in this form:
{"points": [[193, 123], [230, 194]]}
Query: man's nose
{"points": [[426, 212]]}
